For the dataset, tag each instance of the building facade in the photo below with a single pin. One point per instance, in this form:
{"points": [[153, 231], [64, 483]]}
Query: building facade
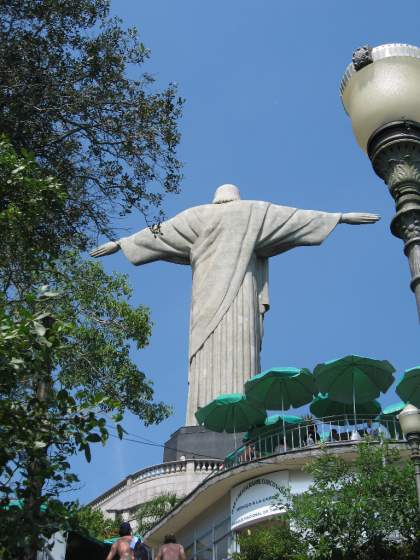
{"points": [[232, 499]]}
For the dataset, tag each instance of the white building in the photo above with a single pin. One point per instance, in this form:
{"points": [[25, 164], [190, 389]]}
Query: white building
{"points": [[207, 520], [224, 497]]}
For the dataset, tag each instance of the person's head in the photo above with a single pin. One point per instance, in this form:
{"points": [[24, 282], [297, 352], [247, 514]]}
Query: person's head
{"points": [[125, 529], [226, 193], [169, 539], [369, 422]]}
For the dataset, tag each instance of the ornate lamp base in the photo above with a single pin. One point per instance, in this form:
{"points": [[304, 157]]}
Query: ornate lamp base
{"points": [[394, 151]]}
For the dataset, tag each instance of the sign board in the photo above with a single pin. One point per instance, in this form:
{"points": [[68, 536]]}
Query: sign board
{"points": [[257, 499]]}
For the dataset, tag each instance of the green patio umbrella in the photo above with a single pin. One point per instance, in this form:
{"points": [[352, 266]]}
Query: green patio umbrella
{"points": [[409, 386], [323, 407], [281, 388], [354, 379], [275, 421], [388, 417], [230, 413]]}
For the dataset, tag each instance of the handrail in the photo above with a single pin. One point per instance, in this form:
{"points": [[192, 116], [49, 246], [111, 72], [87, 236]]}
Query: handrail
{"points": [[328, 430]]}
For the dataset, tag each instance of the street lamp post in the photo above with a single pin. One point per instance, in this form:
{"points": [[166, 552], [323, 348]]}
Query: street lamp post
{"points": [[380, 91], [409, 419]]}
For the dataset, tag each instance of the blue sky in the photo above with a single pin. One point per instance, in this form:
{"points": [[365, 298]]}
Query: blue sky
{"points": [[261, 82]]}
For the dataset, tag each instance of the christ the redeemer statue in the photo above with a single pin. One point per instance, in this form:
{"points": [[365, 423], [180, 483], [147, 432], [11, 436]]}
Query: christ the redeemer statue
{"points": [[227, 244]]}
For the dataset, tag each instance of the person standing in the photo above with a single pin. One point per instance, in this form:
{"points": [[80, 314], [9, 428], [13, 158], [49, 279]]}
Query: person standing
{"points": [[171, 550], [122, 545]]}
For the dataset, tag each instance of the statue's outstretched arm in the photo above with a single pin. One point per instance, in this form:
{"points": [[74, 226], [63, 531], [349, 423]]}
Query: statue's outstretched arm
{"points": [[355, 218], [105, 249]]}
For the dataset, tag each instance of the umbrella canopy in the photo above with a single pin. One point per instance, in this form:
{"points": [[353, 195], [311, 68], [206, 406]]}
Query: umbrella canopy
{"points": [[391, 411], [230, 413], [388, 418], [354, 379], [409, 386], [275, 422], [230, 457], [323, 407], [281, 388], [275, 433]]}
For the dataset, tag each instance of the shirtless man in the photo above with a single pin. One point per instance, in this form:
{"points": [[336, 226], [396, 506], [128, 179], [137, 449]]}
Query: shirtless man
{"points": [[170, 550], [122, 545]]}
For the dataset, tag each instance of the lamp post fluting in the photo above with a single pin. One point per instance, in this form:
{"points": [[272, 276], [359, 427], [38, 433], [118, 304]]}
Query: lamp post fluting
{"points": [[380, 91], [409, 419]]}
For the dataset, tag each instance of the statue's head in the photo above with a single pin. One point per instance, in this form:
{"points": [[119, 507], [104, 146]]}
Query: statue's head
{"points": [[226, 193]]}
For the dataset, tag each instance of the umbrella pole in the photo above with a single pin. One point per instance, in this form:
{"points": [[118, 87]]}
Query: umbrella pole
{"points": [[354, 405], [347, 425], [234, 431], [284, 430]]}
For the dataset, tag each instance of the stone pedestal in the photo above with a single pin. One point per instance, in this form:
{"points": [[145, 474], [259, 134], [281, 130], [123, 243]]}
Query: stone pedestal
{"points": [[195, 442]]}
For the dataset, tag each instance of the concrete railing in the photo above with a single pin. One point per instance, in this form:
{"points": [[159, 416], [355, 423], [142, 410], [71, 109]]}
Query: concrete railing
{"points": [[159, 470], [205, 465], [195, 466]]}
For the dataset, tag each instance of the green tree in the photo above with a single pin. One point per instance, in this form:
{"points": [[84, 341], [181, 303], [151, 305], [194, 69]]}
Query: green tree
{"points": [[73, 94], [275, 542], [96, 356], [366, 509], [42, 424], [149, 513], [60, 387], [84, 136], [33, 220], [93, 523]]}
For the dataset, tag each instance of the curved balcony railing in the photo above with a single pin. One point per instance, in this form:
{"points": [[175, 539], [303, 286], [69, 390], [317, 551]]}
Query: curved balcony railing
{"points": [[196, 466], [330, 430], [162, 469]]}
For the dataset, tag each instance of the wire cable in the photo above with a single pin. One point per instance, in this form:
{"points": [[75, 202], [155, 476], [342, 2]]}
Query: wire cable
{"points": [[154, 444], [151, 443]]}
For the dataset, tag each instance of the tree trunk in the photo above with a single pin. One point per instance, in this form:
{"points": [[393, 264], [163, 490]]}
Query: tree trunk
{"points": [[36, 480]]}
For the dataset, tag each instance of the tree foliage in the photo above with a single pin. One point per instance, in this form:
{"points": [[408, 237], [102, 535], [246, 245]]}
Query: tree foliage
{"points": [[96, 356], [149, 513], [73, 95], [366, 509], [275, 542], [83, 367], [42, 424], [33, 219], [84, 136], [94, 524]]}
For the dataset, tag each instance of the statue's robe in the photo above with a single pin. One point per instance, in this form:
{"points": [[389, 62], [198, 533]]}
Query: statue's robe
{"points": [[227, 246]]}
